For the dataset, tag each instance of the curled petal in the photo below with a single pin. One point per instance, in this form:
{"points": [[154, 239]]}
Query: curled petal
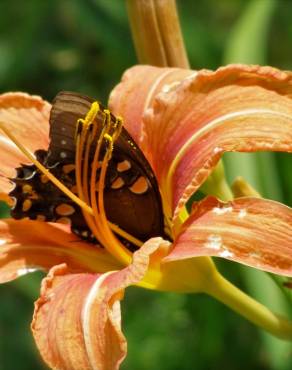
{"points": [[27, 117], [77, 321], [252, 231], [236, 108], [26, 246], [135, 93]]}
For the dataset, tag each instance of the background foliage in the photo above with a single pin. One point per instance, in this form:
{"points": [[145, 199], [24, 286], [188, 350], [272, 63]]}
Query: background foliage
{"points": [[85, 45]]}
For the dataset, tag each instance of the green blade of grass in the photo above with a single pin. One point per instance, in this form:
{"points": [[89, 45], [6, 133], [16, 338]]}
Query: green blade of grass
{"points": [[248, 44]]}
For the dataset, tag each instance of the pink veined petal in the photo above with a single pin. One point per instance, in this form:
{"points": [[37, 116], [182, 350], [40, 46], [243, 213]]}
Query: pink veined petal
{"points": [[135, 93], [26, 246], [236, 108], [77, 320], [252, 231], [27, 117]]}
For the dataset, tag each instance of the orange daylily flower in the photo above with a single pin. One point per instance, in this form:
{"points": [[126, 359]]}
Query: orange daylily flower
{"points": [[183, 121]]}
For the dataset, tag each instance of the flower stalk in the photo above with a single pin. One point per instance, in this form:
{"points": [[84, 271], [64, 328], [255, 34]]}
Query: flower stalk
{"points": [[227, 293], [156, 33], [217, 185], [242, 188]]}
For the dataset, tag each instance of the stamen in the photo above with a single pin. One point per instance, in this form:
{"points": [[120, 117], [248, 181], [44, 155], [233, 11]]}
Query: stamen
{"points": [[88, 120], [91, 115], [98, 223], [115, 246], [90, 219], [112, 243]]}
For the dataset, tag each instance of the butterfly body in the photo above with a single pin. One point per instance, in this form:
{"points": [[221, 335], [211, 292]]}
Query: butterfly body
{"points": [[131, 195]]}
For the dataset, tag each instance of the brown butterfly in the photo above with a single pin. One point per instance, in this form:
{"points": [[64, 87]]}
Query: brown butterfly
{"points": [[131, 195]]}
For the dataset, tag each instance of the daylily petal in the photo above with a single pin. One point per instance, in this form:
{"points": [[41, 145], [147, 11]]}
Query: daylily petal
{"points": [[77, 321], [27, 117], [26, 246], [252, 231], [138, 88], [236, 108]]}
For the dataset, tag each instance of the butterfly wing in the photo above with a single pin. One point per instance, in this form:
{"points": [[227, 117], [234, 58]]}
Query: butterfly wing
{"points": [[131, 195]]}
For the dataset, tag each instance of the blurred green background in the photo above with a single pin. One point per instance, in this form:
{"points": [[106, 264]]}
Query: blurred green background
{"points": [[85, 45]]}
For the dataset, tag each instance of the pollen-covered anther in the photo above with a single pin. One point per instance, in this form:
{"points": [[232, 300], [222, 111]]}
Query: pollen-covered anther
{"points": [[91, 115], [118, 127], [108, 137], [86, 123]]}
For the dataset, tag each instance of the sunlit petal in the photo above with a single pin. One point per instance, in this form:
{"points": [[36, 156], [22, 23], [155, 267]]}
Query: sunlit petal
{"points": [[252, 231], [28, 119], [236, 108], [77, 321], [26, 246], [135, 93]]}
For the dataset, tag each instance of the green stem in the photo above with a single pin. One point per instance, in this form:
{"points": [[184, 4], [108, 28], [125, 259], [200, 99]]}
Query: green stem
{"points": [[230, 295], [217, 185], [279, 281]]}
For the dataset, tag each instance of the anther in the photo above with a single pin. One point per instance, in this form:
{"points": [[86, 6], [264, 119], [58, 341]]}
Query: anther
{"points": [[108, 138], [118, 127], [107, 120], [91, 115]]}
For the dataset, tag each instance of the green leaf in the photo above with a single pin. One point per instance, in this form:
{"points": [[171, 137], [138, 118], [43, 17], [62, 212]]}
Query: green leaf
{"points": [[248, 39], [248, 44]]}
